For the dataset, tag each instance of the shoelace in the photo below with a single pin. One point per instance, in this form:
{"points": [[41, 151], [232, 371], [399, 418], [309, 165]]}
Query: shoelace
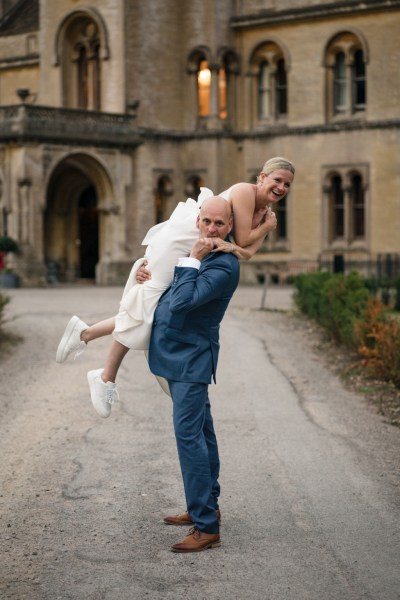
{"points": [[195, 532], [79, 349], [112, 395]]}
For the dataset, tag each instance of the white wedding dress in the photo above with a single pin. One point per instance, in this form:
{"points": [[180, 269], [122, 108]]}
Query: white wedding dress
{"points": [[166, 243]]}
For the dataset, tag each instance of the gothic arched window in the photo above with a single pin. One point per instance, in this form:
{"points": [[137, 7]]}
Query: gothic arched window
{"points": [[269, 89], [85, 41], [164, 190], [345, 215], [193, 185], [80, 53], [346, 85]]}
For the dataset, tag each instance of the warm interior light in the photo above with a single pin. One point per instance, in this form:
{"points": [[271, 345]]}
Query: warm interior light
{"points": [[203, 88], [204, 77]]}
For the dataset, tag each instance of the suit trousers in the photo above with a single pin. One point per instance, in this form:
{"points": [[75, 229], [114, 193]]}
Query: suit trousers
{"points": [[198, 452]]}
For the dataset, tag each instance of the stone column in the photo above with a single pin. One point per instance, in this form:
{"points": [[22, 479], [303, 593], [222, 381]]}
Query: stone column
{"points": [[25, 211]]}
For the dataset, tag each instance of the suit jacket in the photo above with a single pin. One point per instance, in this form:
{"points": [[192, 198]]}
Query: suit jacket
{"points": [[184, 342]]}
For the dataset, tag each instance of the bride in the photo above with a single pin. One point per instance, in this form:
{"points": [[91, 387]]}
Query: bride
{"points": [[166, 242]]}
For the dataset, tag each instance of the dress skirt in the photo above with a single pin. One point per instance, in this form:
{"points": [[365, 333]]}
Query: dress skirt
{"points": [[166, 243]]}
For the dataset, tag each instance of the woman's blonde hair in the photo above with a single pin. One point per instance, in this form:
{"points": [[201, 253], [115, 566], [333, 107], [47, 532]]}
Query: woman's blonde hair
{"points": [[276, 163]]}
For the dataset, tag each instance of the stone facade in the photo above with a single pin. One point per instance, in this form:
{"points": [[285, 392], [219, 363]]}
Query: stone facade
{"points": [[104, 127]]}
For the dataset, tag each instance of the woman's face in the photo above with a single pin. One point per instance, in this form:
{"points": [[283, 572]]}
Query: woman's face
{"points": [[276, 185]]}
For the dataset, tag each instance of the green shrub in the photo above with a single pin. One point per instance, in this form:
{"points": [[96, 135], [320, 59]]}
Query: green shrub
{"points": [[309, 294], [333, 301], [372, 285], [344, 300], [396, 285], [344, 307], [8, 244]]}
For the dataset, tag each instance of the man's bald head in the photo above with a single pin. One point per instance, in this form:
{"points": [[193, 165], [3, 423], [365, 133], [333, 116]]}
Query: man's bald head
{"points": [[217, 203], [215, 218]]}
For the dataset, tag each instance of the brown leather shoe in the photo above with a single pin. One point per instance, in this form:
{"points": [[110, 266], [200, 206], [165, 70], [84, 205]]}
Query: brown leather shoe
{"points": [[196, 541], [184, 519]]}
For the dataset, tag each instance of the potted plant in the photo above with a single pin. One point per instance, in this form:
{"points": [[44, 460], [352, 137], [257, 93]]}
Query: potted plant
{"points": [[8, 279]]}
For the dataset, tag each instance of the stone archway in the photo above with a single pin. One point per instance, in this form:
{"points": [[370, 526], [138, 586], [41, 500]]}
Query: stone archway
{"points": [[77, 191]]}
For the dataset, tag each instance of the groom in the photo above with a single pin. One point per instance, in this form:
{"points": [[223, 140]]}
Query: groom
{"points": [[184, 349]]}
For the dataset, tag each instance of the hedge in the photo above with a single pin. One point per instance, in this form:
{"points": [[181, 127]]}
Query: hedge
{"points": [[348, 309]]}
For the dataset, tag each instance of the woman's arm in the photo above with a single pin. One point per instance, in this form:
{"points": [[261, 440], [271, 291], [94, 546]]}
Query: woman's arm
{"points": [[242, 198], [240, 253]]}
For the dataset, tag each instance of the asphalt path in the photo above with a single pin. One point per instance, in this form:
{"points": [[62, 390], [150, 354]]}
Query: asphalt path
{"points": [[310, 474]]}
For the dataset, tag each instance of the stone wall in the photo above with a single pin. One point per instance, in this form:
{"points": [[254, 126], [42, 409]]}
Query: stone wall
{"points": [[145, 50]]}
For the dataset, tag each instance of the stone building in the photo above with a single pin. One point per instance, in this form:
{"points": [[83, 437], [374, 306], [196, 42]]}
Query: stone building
{"points": [[112, 111]]}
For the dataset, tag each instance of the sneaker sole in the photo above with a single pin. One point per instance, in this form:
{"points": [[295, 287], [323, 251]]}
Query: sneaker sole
{"points": [[208, 547], [182, 523], [62, 355], [179, 524]]}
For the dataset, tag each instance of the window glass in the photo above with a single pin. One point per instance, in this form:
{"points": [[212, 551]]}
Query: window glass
{"points": [[339, 83], [280, 210], [358, 82], [281, 88], [203, 86], [223, 109], [338, 207], [357, 193], [264, 91]]}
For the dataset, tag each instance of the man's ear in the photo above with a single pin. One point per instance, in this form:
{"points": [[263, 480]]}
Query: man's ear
{"points": [[198, 221]]}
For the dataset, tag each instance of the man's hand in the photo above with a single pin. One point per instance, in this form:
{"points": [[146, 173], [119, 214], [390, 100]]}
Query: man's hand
{"points": [[142, 274], [202, 247]]}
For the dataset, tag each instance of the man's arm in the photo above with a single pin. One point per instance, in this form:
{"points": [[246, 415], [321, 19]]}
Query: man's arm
{"points": [[192, 288]]}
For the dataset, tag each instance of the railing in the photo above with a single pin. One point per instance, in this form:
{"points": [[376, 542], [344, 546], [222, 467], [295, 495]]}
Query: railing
{"points": [[27, 122]]}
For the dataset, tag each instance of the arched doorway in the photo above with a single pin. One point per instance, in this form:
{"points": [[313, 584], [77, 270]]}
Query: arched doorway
{"points": [[77, 189]]}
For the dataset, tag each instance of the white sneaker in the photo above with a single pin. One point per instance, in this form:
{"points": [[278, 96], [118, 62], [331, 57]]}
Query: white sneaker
{"points": [[71, 340], [103, 394]]}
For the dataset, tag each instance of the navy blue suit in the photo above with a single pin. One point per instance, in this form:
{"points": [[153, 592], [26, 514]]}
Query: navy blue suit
{"points": [[183, 349]]}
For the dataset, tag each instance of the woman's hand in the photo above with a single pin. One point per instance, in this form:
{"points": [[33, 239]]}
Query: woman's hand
{"points": [[142, 274], [259, 217], [230, 247], [270, 220], [222, 246]]}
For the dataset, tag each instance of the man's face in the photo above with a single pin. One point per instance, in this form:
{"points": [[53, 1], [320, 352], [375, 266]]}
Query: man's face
{"points": [[214, 219]]}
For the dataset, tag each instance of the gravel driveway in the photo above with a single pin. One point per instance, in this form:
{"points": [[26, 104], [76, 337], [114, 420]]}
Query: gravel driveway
{"points": [[310, 475]]}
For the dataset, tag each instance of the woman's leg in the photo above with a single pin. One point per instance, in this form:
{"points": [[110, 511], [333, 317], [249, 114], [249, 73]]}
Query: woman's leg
{"points": [[117, 351], [103, 389], [114, 359], [98, 330]]}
